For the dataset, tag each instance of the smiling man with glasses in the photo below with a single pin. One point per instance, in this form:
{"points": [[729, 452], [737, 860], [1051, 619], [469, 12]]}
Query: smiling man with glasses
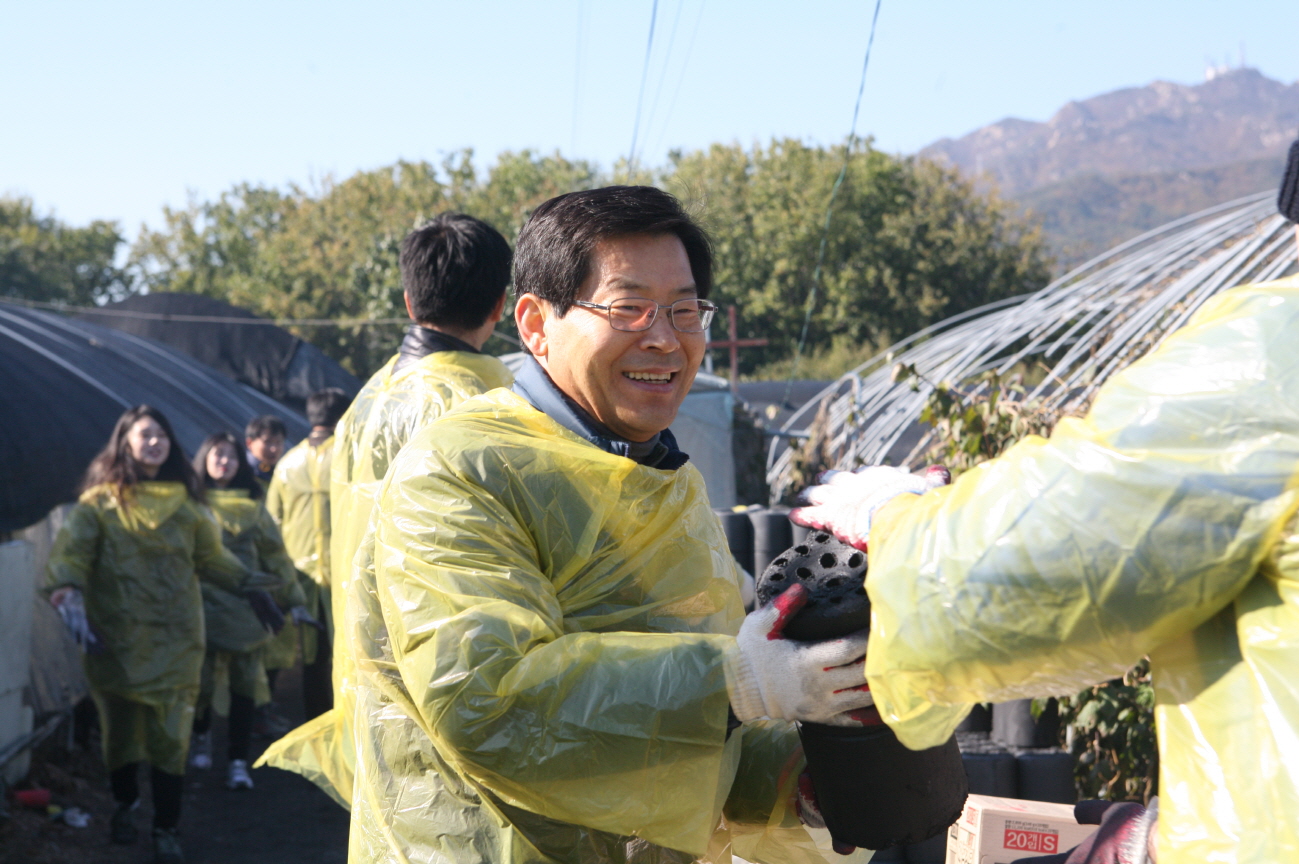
{"points": [[552, 663]]}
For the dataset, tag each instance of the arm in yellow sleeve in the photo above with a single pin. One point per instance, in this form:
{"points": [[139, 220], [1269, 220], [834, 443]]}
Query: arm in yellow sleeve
{"points": [[283, 577], [559, 723], [75, 550], [1064, 561], [213, 562]]}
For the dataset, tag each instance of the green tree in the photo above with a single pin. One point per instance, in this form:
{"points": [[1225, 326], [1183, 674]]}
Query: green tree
{"points": [[910, 243], [331, 252], [43, 259]]}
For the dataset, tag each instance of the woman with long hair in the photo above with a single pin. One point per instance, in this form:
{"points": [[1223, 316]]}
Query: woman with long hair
{"points": [[235, 636], [125, 574]]}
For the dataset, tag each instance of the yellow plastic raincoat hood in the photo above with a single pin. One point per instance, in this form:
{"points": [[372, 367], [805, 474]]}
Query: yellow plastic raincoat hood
{"points": [[381, 419], [540, 661], [1160, 524]]}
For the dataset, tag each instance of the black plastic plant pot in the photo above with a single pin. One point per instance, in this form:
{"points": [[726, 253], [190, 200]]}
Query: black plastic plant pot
{"points": [[872, 791]]}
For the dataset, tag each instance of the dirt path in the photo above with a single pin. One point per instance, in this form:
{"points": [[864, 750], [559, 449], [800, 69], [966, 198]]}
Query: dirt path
{"points": [[284, 820]]}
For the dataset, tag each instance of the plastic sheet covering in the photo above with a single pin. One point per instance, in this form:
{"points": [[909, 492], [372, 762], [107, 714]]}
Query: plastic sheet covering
{"points": [[298, 500], [139, 569], [540, 661], [1160, 524], [383, 417], [268, 358], [64, 383]]}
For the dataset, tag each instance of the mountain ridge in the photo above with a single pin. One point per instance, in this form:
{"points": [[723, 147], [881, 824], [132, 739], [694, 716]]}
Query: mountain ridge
{"points": [[1103, 170], [1237, 116]]}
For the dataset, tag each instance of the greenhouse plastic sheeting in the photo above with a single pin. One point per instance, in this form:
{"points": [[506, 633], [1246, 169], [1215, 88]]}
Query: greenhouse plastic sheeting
{"points": [[64, 383]]}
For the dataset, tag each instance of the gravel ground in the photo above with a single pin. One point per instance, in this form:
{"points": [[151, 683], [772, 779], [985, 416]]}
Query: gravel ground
{"points": [[284, 820]]}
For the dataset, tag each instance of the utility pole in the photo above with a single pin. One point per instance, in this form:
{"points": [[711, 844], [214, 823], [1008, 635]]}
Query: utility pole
{"points": [[734, 343]]}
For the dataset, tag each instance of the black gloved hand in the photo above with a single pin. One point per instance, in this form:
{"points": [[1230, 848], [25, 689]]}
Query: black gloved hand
{"points": [[265, 609], [1123, 837], [299, 615]]}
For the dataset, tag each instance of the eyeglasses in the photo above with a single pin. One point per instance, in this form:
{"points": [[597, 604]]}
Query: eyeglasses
{"points": [[635, 314]]}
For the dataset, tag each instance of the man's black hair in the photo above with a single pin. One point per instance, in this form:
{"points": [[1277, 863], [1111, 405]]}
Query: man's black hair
{"points": [[267, 424], [554, 251], [326, 407], [1287, 201], [454, 270]]}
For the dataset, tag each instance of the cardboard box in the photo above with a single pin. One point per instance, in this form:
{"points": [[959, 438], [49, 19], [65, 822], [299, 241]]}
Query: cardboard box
{"points": [[1001, 830]]}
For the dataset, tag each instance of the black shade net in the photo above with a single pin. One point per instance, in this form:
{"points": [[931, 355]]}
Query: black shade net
{"points": [[64, 383], [263, 356]]}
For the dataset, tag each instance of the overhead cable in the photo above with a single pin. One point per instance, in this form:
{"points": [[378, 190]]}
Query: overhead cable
{"points": [[221, 319], [681, 77], [829, 210], [640, 99]]}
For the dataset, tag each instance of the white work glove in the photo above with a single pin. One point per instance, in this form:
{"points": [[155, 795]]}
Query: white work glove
{"points": [[845, 503], [71, 607], [816, 682]]}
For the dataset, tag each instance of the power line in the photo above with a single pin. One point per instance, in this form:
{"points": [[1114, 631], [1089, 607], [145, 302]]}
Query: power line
{"points": [[577, 76], [690, 47], [663, 72], [635, 129], [829, 209], [220, 319]]}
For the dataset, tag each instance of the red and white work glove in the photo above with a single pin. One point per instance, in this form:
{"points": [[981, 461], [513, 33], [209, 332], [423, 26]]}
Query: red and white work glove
{"points": [[844, 503], [1124, 837], [815, 682]]}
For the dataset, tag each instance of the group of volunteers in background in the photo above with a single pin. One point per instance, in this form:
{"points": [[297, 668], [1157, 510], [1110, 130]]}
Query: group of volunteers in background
{"points": [[514, 595], [178, 579]]}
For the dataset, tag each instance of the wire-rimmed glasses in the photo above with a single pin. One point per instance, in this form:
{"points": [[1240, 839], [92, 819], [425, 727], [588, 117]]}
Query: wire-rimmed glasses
{"points": [[634, 314]]}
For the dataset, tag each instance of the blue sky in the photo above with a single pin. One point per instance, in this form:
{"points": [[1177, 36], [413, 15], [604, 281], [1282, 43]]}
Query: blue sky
{"points": [[112, 110]]}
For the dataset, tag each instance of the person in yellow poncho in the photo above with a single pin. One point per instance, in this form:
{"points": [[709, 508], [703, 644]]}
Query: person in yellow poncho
{"points": [[235, 636], [545, 633], [455, 270], [125, 574], [1161, 524], [298, 501]]}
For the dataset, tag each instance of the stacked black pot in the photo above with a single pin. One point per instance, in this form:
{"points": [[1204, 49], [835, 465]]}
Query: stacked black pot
{"points": [[873, 792]]}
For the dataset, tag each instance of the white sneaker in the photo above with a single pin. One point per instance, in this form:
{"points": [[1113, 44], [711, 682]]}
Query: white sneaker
{"points": [[238, 777], [200, 751]]}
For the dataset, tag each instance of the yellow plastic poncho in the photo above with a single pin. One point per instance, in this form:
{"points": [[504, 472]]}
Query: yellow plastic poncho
{"points": [[1156, 525], [540, 661], [139, 569], [248, 531], [383, 417], [298, 501]]}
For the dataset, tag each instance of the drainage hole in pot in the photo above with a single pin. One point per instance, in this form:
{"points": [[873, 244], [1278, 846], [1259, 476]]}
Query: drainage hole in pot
{"points": [[800, 550], [777, 577], [856, 560], [779, 562], [803, 573], [823, 538], [833, 583], [827, 560]]}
